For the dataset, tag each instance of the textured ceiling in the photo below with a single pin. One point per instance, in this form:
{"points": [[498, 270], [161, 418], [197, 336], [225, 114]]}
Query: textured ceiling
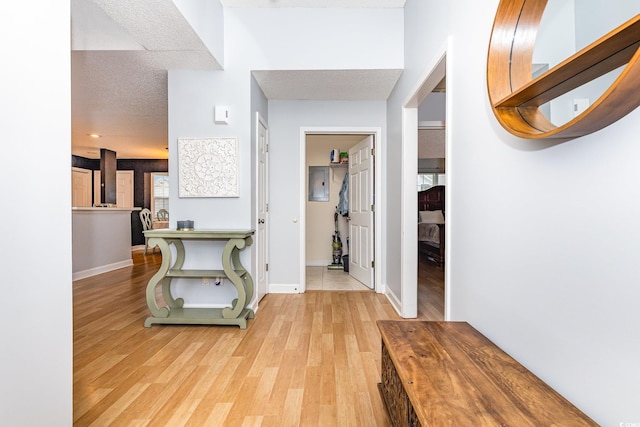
{"points": [[313, 3], [126, 103], [120, 54], [328, 84]]}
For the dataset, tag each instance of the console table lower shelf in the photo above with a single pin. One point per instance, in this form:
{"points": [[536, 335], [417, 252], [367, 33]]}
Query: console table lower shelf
{"points": [[200, 316], [174, 312]]}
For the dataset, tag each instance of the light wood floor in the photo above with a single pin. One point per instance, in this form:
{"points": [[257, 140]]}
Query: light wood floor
{"points": [[308, 359], [430, 290]]}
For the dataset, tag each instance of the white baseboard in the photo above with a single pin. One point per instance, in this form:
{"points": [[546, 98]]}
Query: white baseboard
{"points": [[254, 306], [395, 302], [285, 289], [141, 248], [102, 269]]}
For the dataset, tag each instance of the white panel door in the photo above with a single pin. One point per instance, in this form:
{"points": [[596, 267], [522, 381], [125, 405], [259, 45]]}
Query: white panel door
{"points": [[124, 188], [97, 195], [361, 212], [80, 187], [263, 209]]}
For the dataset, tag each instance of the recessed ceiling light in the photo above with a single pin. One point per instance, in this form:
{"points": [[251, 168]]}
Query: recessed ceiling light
{"points": [[94, 135]]}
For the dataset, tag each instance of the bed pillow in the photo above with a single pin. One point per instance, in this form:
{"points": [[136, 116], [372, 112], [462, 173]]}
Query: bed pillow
{"points": [[432, 217]]}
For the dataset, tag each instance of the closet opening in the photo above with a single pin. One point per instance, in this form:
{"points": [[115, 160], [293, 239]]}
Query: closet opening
{"points": [[339, 220]]}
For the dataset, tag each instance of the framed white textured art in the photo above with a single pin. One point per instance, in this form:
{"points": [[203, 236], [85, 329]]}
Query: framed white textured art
{"points": [[208, 167]]}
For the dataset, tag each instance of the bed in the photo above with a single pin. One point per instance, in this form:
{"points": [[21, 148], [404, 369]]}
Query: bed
{"points": [[431, 220]]}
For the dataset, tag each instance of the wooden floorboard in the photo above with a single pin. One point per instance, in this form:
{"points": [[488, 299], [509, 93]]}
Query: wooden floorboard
{"points": [[309, 359], [430, 290]]}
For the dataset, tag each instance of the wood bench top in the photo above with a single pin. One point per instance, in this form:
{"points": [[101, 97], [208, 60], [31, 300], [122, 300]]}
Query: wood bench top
{"points": [[454, 375]]}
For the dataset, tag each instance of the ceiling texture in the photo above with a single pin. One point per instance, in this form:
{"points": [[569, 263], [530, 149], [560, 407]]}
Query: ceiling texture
{"points": [[120, 54]]}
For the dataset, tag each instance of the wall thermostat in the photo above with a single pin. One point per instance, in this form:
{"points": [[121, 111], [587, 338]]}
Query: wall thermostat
{"points": [[221, 114]]}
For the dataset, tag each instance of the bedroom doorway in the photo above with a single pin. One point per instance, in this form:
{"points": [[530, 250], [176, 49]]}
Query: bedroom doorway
{"points": [[431, 187], [417, 109]]}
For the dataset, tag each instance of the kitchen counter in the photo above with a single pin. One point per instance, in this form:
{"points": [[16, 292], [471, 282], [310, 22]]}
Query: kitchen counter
{"points": [[101, 240]]}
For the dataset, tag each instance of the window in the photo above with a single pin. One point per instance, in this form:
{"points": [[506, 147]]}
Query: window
{"points": [[428, 180], [159, 193]]}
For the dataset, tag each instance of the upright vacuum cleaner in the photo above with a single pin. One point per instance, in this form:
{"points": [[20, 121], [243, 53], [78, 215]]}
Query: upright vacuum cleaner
{"points": [[336, 244]]}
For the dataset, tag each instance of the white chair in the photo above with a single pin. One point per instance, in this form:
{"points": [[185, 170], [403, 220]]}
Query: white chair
{"points": [[145, 218], [163, 215]]}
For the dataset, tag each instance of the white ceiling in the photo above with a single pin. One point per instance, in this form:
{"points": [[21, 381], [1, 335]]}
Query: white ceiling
{"points": [[313, 3], [120, 54], [339, 85]]}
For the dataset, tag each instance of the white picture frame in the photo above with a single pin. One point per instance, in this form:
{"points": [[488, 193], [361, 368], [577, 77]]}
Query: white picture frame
{"points": [[208, 167]]}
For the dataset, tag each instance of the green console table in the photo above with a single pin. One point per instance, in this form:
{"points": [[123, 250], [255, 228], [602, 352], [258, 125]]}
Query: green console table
{"points": [[174, 312]]}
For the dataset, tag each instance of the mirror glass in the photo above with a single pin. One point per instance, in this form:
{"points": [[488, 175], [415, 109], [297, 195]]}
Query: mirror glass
{"points": [[566, 27]]}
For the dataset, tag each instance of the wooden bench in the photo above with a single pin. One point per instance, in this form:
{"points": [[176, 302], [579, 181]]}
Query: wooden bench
{"points": [[447, 373]]}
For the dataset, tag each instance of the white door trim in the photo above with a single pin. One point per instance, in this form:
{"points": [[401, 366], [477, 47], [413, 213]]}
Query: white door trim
{"points": [[408, 220], [377, 196], [409, 232], [260, 121], [360, 163]]}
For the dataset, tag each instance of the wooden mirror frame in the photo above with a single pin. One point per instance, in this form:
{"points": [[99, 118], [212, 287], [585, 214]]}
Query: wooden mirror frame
{"points": [[515, 96]]}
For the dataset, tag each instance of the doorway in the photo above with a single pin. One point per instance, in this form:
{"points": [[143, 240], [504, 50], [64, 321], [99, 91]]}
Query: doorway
{"points": [[409, 304], [316, 240], [431, 187], [333, 258]]}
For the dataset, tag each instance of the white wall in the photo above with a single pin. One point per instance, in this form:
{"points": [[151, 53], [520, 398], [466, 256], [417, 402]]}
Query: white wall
{"points": [[265, 39], [303, 38], [425, 35], [286, 118], [192, 97], [207, 20], [36, 332], [543, 250]]}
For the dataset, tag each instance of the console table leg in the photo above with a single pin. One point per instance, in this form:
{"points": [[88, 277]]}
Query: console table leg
{"points": [[231, 262], [246, 278], [152, 303]]}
